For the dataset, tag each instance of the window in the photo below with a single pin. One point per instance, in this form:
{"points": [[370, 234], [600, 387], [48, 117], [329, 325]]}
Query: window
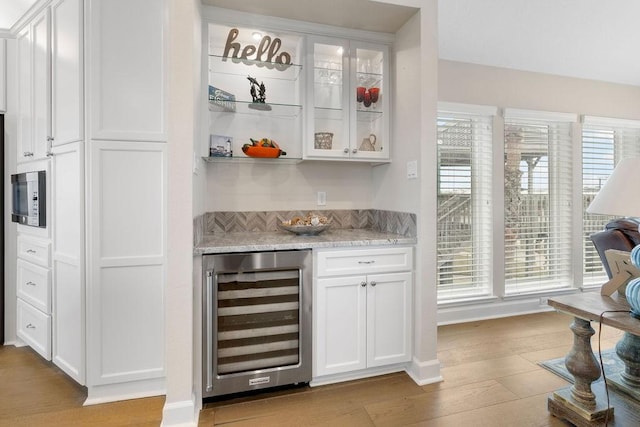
{"points": [[604, 143], [537, 192], [464, 202]]}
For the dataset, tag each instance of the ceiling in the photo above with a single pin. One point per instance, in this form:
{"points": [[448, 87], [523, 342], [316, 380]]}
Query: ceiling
{"points": [[591, 39]]}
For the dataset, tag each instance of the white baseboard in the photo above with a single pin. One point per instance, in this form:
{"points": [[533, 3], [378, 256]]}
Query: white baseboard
{"points": [[357, 375], [181, 414], [491, 309], [124, 391], [423, 373]]}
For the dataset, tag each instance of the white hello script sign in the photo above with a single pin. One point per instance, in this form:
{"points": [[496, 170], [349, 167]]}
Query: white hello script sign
{"points": [[267, 52]]}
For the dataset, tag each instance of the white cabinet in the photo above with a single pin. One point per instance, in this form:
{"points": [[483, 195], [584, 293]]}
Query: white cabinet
{"points": [[3, 75], [50, 80], [67, 258], [33, 288], [362, 309], [348, 100]]}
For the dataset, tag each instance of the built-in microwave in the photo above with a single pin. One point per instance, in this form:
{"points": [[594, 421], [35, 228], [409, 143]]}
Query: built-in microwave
{"points": [[29, 194]]}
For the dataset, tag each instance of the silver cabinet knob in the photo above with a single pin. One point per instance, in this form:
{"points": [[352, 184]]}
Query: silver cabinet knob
{"points": [[363, 284], [373, 283], [354, 151], [346, 151]]}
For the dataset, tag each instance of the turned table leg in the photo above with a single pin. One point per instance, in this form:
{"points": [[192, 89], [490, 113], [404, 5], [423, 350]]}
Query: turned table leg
{"points": [[628, 349], [584, 367]]}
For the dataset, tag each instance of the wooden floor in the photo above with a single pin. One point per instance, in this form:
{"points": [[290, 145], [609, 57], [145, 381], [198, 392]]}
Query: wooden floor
{"points": [[491, 378]]}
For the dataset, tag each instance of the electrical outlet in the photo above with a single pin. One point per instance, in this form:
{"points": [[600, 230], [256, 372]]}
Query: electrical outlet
{"points": [[412, 169], [544, 300], [321, 198]]}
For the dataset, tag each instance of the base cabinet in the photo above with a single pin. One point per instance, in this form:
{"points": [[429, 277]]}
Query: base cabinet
{"points": [[362, 320]]}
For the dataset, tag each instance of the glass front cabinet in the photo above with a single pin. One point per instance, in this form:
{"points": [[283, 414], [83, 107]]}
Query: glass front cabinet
{"points": [[347, 99]]}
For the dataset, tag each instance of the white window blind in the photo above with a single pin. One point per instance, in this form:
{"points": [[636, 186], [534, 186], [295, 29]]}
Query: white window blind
{"points": [[464, 205], [537, 189], [604, 142]]}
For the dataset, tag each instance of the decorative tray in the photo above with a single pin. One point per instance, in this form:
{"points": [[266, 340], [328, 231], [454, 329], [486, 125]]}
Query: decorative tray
{"points": [[305, 230]]}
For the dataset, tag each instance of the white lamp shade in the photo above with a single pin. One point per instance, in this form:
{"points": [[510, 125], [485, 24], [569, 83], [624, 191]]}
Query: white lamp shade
{"points": [[620, 195]]}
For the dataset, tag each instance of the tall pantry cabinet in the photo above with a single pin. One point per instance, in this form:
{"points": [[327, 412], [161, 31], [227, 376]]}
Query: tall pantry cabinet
{"points": [[108, 176]]}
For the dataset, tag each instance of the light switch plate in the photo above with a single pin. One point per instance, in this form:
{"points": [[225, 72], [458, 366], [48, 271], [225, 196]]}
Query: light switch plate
{"points": [[412, 169], [322, 198]]}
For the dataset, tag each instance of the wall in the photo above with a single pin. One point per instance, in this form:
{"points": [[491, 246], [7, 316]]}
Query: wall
{"points": [[10, 236], [479, 84], [251, 187], [181, 406]]}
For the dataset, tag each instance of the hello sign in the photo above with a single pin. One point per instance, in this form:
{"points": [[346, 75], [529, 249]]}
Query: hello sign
{"points": [[267, 51]]}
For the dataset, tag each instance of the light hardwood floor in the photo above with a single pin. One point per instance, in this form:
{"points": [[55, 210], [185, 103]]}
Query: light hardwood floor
{"points": [[491, 378]]}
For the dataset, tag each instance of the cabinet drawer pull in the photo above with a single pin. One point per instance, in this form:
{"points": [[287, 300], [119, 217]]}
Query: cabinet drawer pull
{"points": [[30, 326], [31, 251], [363, 284], [373, 283], [354, 151], [27, 154], [366, 262], [346, 150], [31, 284]]}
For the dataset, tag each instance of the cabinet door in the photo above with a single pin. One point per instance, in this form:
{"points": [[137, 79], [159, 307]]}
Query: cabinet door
{"points": [[67, 205], [66, 71], [340, 335], [41, 85], [388, 318], [25, 78], [328, 72], [370, 101]]}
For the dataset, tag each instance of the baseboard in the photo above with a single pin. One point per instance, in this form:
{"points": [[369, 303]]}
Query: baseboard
{"points": [[357, 375], [97, 394], [490, 310], [423, 373], [180, 414]]}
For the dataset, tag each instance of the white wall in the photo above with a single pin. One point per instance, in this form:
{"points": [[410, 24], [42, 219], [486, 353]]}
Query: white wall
{"points": [[10, 155], [479, 84], [184, 41], [257, 187]]}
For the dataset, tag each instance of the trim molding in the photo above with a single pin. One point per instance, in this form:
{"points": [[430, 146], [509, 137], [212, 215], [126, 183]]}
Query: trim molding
{"points": [[423, 373], [183, 414]]}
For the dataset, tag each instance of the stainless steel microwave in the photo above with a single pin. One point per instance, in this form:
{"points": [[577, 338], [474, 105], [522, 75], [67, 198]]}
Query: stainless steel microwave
{"points": [[29, 194]]}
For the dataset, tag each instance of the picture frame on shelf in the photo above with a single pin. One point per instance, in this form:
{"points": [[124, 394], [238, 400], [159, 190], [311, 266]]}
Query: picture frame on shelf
{"points": [[220, 146], [221, 100]]}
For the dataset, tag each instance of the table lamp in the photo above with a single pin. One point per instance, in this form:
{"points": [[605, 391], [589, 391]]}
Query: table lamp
{"points": [[619, 196]]}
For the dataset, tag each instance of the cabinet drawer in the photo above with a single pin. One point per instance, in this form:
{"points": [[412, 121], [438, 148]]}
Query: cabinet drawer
{"points": [[34, 328], [363, 261], [34, 250], [34, 285]]}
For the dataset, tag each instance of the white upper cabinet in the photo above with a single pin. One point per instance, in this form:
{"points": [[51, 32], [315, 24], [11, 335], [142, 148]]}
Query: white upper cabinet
{"points": [[348, 100], [126, 63], [66, 72], [50, 107], [3, 75]]}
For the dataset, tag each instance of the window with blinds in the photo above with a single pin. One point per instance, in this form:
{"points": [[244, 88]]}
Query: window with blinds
{"points": [[464, 205], [604, 142], [537, 235]]}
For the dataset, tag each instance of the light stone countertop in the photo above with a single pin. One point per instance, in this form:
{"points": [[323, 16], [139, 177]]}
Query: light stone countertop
{"points": [[282, 240]]}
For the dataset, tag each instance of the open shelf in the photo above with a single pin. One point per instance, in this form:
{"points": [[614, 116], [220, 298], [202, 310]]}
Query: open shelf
{"points": [[254, 160], [249, 107], [257, 69]]}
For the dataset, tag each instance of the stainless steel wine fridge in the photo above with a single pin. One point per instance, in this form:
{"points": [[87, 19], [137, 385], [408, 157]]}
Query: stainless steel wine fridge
{"points": [[256, 321]]}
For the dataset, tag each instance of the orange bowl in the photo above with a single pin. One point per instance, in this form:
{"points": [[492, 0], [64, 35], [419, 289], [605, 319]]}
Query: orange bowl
{"points": [[263, 152]]}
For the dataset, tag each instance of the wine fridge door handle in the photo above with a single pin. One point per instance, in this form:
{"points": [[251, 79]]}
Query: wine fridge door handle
{"points": [[209, 329]]}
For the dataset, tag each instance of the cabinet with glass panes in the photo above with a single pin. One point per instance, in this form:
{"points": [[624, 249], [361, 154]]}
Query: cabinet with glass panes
{"points": [[255, 85], [348, 98]]}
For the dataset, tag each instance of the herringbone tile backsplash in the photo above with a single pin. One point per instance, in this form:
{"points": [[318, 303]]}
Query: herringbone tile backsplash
{"points": [[229, 222]]}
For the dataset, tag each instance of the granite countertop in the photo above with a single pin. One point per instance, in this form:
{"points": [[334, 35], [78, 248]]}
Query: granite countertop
{"points": [[281, 240]]}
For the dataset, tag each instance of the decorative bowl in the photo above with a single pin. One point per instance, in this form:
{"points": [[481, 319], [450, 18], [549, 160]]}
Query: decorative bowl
{"points": [[305, 230]]}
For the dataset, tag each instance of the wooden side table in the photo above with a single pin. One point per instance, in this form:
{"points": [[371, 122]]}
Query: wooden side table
{"points": [[579, 404]]}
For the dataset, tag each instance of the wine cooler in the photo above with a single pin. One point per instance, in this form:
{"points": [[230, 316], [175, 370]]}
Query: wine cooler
{"points": [[256, 321]]}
